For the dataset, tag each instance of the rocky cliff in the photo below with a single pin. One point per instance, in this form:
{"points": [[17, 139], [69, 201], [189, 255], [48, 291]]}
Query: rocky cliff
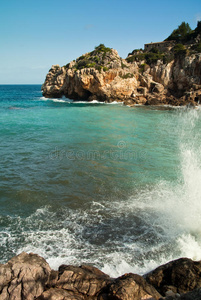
{"points": [[29, 277], [139, 79]]}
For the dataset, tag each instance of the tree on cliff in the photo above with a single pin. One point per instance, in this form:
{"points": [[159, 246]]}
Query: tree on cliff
{"points": [[181, 33]]}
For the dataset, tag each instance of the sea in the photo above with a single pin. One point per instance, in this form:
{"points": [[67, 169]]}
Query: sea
{"points": [[108, 185]]}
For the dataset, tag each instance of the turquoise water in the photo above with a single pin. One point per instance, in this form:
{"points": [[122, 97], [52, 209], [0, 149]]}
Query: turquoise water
{"points": [[105, 184]]}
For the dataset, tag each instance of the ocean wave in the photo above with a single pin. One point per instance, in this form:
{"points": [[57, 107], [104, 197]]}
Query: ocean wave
{"points": [[61, 100], [66, 100]]}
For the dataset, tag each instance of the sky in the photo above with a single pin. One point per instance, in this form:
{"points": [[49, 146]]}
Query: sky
{"points": [[36, 34]]}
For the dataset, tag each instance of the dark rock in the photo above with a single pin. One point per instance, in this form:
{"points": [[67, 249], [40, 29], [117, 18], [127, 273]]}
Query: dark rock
{"points": [[180, 276], [194, 295], [156, 87], [53, 278], [153, 101], [129, 102]]}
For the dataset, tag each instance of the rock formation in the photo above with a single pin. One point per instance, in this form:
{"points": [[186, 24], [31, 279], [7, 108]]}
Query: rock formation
{"points": [[180, 276], [23, 277], [104, 76], [29, 277]]}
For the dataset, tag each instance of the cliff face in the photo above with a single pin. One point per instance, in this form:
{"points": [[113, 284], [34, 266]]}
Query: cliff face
{"points": [[104, 76], [181, 74]]}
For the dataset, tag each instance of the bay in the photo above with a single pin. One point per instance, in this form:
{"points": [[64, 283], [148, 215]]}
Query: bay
{"points": [[98, 183]]}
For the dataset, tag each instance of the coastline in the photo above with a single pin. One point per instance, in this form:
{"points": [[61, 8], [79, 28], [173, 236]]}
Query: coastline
{"points": [[104, 76], [28, 276], [162, 105]]}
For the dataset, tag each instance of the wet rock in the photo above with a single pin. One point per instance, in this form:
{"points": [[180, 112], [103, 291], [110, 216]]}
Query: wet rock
{"points": [[153, 101], [180, 276], [194, 295], [23, 277], [129, 102], [85, 280], [28, 277], [132, 286], [59, 294]]}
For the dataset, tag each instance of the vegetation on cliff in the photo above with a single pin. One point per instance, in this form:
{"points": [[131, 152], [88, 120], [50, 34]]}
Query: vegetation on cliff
{"points": [[166, 73], [150, 57], [99, 59], [181, 34], [186, 42], [184, 33]]}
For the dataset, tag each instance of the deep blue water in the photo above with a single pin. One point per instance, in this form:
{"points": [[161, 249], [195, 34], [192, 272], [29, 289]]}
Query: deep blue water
{"points": [[106, 184]]}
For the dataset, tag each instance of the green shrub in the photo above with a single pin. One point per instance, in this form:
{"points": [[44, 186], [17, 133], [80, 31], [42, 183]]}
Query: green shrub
{"points": [[142, 68], [123, 65], [155, 50], [102, 48], [127, 75], [91, 65], [168, 57], [152, 58], [180, 49], [149, 57], [197, 47], [82, 63], [96, 59], [99, 68], [136, 57], [105, 69], [81, 57], [135, 51]]}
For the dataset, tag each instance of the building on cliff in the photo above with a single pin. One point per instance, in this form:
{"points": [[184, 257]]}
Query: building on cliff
{"points": [[161, 46]]}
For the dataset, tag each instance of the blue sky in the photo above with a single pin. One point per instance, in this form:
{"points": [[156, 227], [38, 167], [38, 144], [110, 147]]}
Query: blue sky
{"points": [[37, 34]]}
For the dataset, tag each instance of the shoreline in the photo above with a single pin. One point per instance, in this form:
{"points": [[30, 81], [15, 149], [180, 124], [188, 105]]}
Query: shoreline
{"points": [[63, 99], [29, 276]]}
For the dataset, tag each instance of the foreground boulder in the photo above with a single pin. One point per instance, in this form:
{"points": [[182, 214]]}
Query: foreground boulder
{"points": [[194, 295], [132, 286], [180, 276], [87, 280], [29, 277], [23, 277]]}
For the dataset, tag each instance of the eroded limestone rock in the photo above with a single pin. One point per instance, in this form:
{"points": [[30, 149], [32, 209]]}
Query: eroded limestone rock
{"points": [[104, 76]]}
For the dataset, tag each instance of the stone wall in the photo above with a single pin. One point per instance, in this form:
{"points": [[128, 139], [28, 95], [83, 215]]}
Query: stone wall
{"points": [[161, 46]]}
